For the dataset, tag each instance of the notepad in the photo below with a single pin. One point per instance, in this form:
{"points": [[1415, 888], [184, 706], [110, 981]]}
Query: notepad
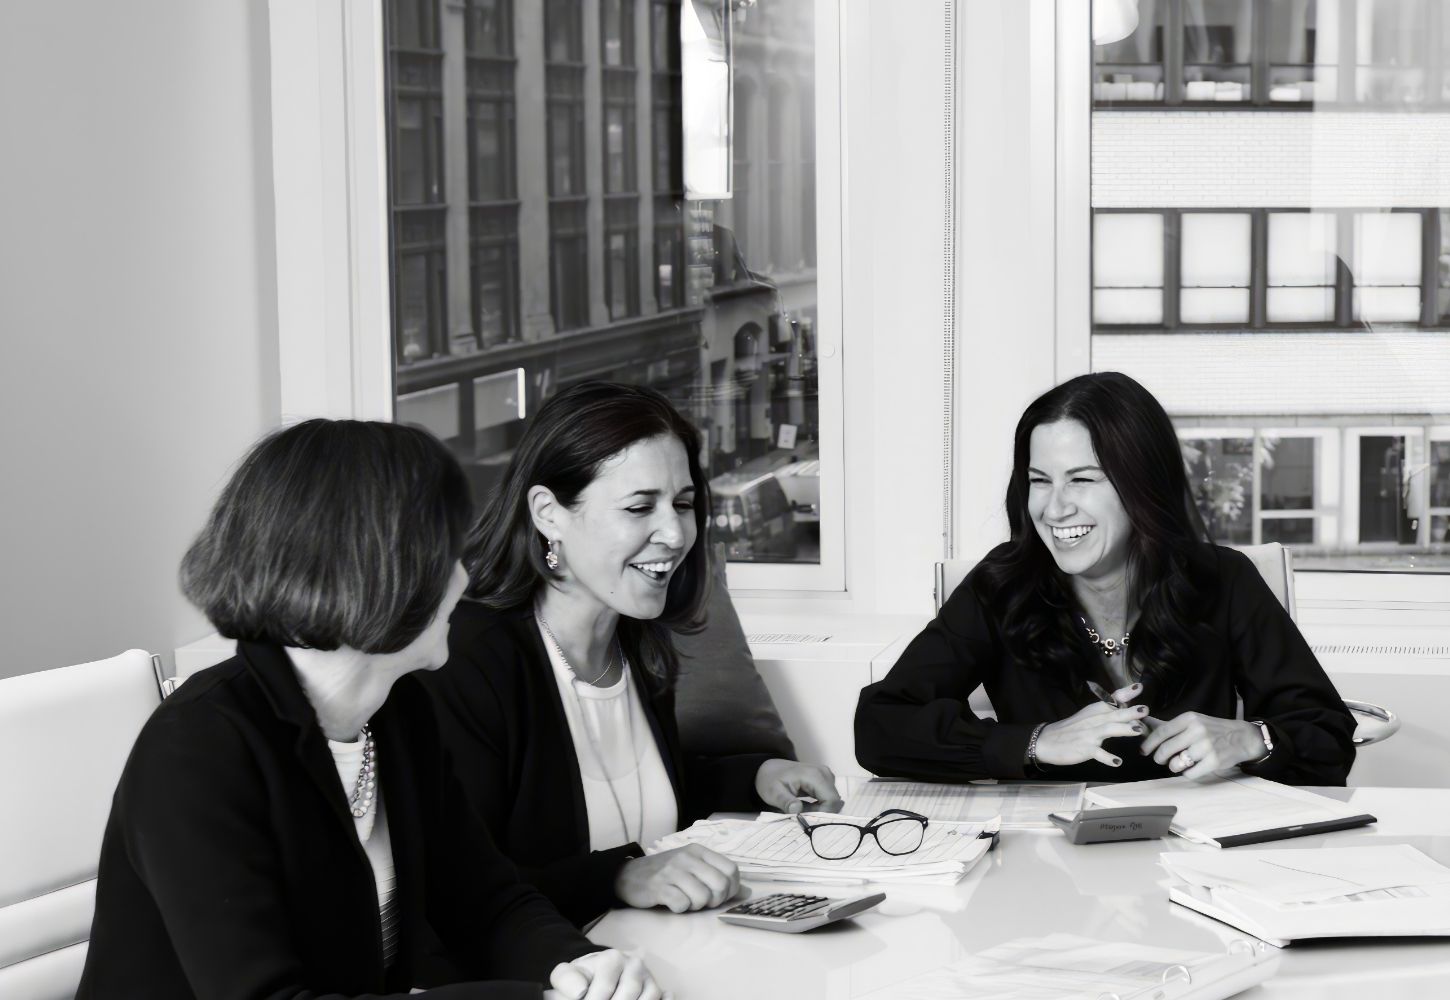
{"points": [[1022, 805], [1069, 967], [1235, 811], [775, 847], [1284, 896]]}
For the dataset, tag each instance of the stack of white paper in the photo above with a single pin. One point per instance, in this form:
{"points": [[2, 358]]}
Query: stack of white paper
{"points": [[1235, 811], [1068, 967], [1283, 896], [775, 847], [1022, 805]]}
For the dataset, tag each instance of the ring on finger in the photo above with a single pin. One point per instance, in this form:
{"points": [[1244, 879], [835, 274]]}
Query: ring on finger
{"points": [[1186, 759]]}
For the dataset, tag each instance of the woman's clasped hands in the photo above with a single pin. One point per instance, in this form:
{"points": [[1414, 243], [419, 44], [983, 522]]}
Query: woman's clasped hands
{"points": [[1080, 736], [1200, 746]]}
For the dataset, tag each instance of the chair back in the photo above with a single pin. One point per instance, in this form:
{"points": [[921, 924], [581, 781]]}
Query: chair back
{"points": [[1276, 565], [949, 575], [64, 737]]}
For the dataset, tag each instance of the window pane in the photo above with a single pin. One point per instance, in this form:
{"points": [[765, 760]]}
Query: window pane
{"points": [[1387, 305], [1288, 530], [1128, 250], [1132, 69], [1287, 474], [1217, 35], [540, 272], [1215, 248], [1440, 473], [1221, 475], [1127, 305], [1302, 248], [1213, 305], [1384, 514], [1387, 248]]}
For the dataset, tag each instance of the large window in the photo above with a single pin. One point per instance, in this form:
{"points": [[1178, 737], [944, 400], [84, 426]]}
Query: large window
{"points": [[563, 246], [1288, 301]]}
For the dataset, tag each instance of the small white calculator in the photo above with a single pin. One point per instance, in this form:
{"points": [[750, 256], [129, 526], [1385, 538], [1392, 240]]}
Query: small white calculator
{"points": [[793, 913]]}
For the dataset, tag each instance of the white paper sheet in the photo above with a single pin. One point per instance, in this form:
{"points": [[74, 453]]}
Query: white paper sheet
{"points": [[1224, 807], [775, 847], [1022, 806]]}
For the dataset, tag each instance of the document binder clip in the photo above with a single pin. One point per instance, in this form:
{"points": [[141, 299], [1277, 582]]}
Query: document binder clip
{"points": [[1102, 826]]}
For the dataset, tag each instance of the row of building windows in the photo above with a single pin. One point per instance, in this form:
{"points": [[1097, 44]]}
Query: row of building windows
{"points": [[1201, 53], [419, 196], [1253, 268], [1257, 485]]}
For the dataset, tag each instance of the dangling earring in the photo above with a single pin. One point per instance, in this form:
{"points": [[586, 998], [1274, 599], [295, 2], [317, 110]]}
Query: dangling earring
{"points": [[551, 558]]}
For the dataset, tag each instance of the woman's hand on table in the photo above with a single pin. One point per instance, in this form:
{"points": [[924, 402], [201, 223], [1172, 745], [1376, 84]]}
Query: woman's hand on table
{"points": [[603, 975], [784, 784], [686, 878], [1200, 746], [1080, 736]]}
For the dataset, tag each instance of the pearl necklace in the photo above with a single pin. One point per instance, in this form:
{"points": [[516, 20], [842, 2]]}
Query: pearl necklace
{"points": [[364, 791], [1108, 647], [594, 744]]}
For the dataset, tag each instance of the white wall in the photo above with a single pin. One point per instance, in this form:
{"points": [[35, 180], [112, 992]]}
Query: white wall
{"points": [[137, 309]]}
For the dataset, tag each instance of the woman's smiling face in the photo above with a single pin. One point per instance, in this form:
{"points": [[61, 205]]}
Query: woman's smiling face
{"points": [[1074, 507], [631, 528]]}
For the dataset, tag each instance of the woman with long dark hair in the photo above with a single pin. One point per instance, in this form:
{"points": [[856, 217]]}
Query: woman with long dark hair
{"points": [[557, 696], [1113, 639], [287, 825]]}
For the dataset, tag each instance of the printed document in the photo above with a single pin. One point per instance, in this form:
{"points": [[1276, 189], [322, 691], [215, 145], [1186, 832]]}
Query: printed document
{"points": [[1022, 805], [1237, 809], [775, 847]]}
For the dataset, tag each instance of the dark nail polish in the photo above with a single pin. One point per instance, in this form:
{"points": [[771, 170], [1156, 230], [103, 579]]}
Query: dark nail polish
{"points": [[1117, 762], [1137, 728]]}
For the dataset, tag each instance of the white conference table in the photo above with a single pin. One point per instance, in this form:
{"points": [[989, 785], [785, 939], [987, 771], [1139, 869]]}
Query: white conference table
{"points": [[1033, 884]]}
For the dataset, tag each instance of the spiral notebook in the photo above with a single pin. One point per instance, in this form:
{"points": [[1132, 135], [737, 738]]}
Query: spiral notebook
{"points": [[1069, 967]]}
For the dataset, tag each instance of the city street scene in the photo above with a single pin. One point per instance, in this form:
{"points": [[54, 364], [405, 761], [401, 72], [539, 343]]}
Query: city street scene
{"points": [[547, 229]]}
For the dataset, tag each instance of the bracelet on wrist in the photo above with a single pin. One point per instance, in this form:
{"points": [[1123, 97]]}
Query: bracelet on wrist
{"points": [[1268, 738], [1031, 761]]}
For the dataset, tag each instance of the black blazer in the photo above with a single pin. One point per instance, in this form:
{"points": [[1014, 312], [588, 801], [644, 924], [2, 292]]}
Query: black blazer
{"points": [[509, 738], [231, 866], [915, 722]]}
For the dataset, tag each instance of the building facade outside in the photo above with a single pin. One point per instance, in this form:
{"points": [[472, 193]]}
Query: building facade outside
{"points": [[1271, 256], [541, 235]]}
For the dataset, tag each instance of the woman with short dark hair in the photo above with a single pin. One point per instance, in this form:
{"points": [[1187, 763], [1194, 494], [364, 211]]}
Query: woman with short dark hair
{"points": [[557, 698], [286, 825], [1113, 639]]}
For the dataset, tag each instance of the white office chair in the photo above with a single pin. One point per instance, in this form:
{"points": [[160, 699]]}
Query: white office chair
{"points": [[1275, 564], [64, 736]]}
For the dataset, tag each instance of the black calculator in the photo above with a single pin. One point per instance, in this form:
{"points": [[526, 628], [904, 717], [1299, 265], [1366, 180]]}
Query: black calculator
{"points": [[793, 913]]}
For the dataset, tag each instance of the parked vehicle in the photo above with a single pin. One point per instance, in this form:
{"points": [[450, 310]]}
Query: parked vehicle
{"points": [[752, 516]]}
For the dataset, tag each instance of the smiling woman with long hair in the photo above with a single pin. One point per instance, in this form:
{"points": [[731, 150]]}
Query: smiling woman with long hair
{"points": [[558, 695], [1113, 639]]}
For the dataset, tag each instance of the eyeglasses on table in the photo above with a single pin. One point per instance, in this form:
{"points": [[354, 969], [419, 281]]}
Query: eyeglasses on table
{"points": [[897, 832]]}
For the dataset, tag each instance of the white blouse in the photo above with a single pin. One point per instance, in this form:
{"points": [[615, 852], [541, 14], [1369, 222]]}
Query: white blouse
{"points": [[627, 791], [372, 832]]}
